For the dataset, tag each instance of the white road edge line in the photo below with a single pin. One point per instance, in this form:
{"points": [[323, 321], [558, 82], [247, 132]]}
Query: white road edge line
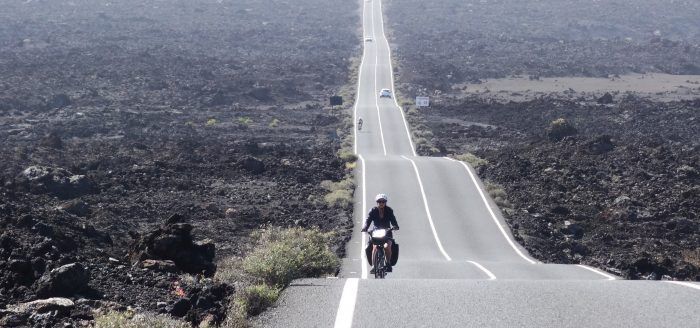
{"points": [[376, 97], [683, 283], [391, 71], [346, 308], [359, 81], [363, 257], [427, 209], [610, 277], [488, 273], [493, 215]]}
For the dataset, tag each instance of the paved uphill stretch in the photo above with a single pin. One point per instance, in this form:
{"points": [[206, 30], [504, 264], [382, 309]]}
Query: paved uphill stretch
{"points": [[459, 265]]}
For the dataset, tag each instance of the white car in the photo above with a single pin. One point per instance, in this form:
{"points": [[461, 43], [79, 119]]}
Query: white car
{"points": [[368, 39], [385, 93]]}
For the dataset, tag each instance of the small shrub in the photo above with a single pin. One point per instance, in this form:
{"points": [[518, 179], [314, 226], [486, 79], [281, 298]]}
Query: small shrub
{"points": [[347, 155], [212, 122], [274, 123], [236, 314], [339, 198], [691, 256], [473, 160], [260, 297], [129, 319], [345, 184], [283, 255], [230, 270], [245, 120], [339, 193], [499, 195], [559, 129]]}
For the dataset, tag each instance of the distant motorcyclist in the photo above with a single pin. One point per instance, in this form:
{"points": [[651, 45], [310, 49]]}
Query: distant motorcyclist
{"points": [[359, 124], [382, 217]]}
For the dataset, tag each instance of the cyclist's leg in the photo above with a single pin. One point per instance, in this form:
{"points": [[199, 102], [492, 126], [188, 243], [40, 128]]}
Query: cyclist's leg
{"points": [[387, 251]]}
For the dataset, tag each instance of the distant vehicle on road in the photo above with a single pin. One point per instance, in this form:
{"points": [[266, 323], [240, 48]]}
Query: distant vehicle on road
{"points": [[385, 93], [368, 39]]}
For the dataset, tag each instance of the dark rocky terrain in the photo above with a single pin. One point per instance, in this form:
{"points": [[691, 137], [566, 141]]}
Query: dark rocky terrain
{"points": [[142, 142], [613, 185], [438, 45]]}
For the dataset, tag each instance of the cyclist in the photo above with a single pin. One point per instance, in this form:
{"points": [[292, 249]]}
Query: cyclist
{"points": [[359, 124], [382, 217]]}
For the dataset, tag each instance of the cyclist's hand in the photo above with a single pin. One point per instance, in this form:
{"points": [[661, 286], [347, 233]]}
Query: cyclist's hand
{"points": [[396, 228], [363, 230]]}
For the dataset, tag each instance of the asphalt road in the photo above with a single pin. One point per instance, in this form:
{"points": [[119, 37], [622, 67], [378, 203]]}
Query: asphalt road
{"points": [[459, 265]]}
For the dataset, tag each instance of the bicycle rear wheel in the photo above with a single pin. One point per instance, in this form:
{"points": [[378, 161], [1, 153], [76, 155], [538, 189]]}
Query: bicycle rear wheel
{"points": [[382, 264]]}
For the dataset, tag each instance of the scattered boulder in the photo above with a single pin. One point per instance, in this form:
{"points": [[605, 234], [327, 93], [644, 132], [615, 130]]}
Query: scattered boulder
{"points": [[53, 140], [262, 94], [76, 207], [607, 98], [253, 165], [60, 304], [21, 271], [559, 129], [600, 145], [573, 229], [58, 101], [219, 99], [159, 265], [66, 280], [686, 171], [173, 241], [180, 307], [56, 181]]}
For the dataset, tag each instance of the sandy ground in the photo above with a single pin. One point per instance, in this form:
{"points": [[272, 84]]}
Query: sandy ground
{"points": [[660, 87]]}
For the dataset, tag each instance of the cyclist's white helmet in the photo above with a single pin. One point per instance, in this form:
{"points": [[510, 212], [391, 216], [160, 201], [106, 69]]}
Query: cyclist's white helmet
{"points": [[381, 196]]}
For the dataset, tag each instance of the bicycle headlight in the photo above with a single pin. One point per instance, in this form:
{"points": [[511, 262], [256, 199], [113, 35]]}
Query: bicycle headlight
{"points": [[379, 233]]}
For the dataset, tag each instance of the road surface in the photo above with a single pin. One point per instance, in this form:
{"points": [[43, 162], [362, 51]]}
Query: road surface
{"points": [[459, 264]]}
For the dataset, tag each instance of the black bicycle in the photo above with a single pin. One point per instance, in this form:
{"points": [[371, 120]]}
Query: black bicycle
{"points": [[378, 238]]}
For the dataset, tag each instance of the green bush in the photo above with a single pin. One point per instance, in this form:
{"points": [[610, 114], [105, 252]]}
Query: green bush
{"points": [[230, 270], [245, 120], [470, 158], [499, 196], [212, 122], [339, 193], [283, 255], [345, 184], [129, 319], [274, 123], [339, 198], [260, 297], [347, 155]]}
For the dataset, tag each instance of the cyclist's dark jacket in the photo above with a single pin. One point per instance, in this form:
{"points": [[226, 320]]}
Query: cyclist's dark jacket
{"points": [[383, 223]]}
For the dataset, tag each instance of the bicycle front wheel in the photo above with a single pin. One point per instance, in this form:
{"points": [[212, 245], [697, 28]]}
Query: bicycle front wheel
{"points": [[376, 264]]}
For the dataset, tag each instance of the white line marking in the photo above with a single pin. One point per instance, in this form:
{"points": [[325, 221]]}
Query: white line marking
{"points": [[346, 308], [391, 74], [408, 133], [684, 283], [493, 216], [364, 210], [610, 277], [427, 209], [376, 97], [488, 273], [359, 81]]}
